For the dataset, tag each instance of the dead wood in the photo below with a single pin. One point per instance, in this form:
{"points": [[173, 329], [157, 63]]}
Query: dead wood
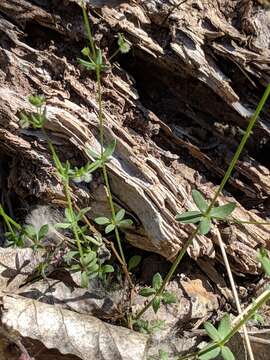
{"points": [[176, 106]]}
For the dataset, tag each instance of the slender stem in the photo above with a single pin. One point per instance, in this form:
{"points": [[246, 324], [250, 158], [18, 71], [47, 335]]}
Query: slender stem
{"points": [[100, 112], [104, 169], [105, 176], [88, 31], [101, 134], [170, 273], [114, 54], [237, 221], [235, 294], [110, 200], [68, 197], [74, 223], [8, 220], [220, 188], [240, 147], [241, 319]]}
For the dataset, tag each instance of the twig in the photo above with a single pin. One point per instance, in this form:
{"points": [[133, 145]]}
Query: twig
{"points": [[259, 340], [235, 294]]}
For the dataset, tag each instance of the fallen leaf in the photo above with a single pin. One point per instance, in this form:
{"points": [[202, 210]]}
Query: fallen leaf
{"points": [[82, 335]]}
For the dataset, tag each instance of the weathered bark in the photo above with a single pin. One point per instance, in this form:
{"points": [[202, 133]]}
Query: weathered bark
{"points": [[199, 72]]}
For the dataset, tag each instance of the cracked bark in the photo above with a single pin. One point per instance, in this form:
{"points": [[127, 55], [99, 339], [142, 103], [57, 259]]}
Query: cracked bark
{"points": [[176, 105]]}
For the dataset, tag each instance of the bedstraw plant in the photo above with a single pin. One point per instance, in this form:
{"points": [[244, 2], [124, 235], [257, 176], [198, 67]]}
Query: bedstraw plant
{"points": [[82, 254]]}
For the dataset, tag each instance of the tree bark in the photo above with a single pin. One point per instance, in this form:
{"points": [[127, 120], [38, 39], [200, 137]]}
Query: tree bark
{"points": [[177, 105]]}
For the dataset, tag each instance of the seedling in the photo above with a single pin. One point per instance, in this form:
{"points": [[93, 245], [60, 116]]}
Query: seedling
{"points": [[166, 297]]}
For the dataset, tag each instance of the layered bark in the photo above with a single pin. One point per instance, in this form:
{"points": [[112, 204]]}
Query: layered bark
{"points": [[176, 106]]}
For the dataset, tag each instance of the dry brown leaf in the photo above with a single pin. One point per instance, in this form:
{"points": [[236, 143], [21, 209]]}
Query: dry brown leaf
{"points": [[71, 333], [94, 301], [16, 265]]}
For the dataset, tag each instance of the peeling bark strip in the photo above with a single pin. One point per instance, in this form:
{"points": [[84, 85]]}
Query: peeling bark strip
{"points": [[199, 74]]}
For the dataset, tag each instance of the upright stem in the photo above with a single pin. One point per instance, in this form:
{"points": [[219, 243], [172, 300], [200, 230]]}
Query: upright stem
{"points": [[238, 323], [74, 228], [240, 147], [170, 273], [235, 294], [89, 32], [105, 175], [220, 188], [8, 220]]}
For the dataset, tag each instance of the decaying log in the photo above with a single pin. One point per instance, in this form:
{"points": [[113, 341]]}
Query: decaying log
{"points": [[176, 106]]}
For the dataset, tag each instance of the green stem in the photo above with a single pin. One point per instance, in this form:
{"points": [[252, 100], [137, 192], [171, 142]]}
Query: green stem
{"points": [[88, 31], [170, 273], [240, 147], [74, 223], [114, 54], [104, 169], [8, 220], [67, 194], [100, 111], [246, 315], [220, 188], [237, 221]]}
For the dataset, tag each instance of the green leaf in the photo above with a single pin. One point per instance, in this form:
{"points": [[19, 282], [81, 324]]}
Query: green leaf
{"points": [[109, 150], [156, 304], [157, 281], [189, 217], [92, 240], [87, 64], [92, 269], [88, 259], [30, 231], [68, 257], [109, 228], [75, 267], [120, 215], [84, 211], [212, 331], [224, 326], [102, 220], [125, 223], [107, 269], [169, 298], [211, 354], [226, 353], [147, 292], [92, 153], [263, 258], [200, 201], [222, 212], [84, 279], [134, 262], [205, 225], [36, 100], [43, 231]]}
